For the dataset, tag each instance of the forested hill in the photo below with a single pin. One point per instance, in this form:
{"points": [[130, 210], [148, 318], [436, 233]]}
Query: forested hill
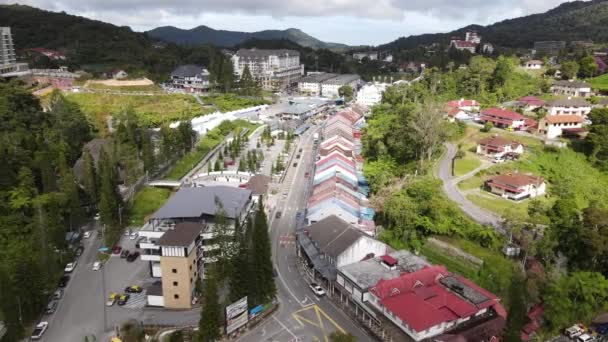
{"points": [[207, 35], [571, 21], [86, 41]]}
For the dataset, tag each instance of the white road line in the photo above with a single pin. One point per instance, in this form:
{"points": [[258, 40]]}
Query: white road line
{"points": [[285, 327]]}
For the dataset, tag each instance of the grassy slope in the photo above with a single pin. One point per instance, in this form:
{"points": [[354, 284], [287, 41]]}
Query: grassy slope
{"points": [[600, 82], [467, 164], [147, 201], [230, 102]]}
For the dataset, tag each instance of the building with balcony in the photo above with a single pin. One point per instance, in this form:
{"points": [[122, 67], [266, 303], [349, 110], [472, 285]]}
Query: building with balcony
{"points": [[273, 69], [8, 59], [571, 88], [516, 186], [190, 77], [181, 265], [503, 118]]}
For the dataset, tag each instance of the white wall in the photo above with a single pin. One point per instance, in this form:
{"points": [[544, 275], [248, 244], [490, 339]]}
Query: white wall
{"points": [[156, 301], [361, 248]]}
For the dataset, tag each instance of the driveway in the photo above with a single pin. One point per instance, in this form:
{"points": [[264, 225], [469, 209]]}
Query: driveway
{"points": [[450, 187]]}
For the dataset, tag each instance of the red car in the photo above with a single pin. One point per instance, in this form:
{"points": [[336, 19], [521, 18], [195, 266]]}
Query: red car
{"points": [[116, 249], [306, 175]]}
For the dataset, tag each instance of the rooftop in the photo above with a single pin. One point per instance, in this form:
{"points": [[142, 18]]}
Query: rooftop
{"points": [[182, 235], [190, 70], [556, 119], [569, 102], [198, 201], [502, 113], [258, 184], [496, 140], [333, 235], [572, 84], [368, 273], [516, 180], [342, 79], [316, 78], [261, 53]]}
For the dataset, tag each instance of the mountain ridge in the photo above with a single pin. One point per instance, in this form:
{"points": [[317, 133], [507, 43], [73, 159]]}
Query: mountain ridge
{"points": [[203, 34]]}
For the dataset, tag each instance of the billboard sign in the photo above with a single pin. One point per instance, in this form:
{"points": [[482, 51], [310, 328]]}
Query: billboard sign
{"points": [[236, 315]]}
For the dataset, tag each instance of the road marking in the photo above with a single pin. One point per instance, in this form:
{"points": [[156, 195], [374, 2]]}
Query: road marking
{"points": [[300, 318], [285, 327]]}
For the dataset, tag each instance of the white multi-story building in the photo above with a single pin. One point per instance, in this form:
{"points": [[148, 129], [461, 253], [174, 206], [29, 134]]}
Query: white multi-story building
{"points": [[571, 88], [190, 77], [8, 59], [311, 84], [273, 69], [569, 106], [371, 93], [371, 55], [329, 88]]}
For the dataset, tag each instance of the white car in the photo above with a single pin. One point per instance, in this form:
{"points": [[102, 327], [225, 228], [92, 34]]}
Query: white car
{"points": [[585, 338], [133, 236], [96, 266], [574, 331], [70, 267], [318, 290], [86, 235], [97, 217], [39, 330]]}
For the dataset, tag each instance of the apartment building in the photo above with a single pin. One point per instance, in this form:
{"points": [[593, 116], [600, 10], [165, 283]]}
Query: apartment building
{"points": [[273, 69], [8, 60], [569, 106], [329, 88], [181, 265], [311, 84], [190, 77], [371, 93]]}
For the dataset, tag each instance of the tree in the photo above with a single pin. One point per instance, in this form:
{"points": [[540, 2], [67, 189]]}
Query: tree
{"points": [[89, 181], [167, 142], [177, 336], [597, 139], [340, 336], [147, 152], [428, 130], [346, 92], [132, 331], [185, 136], [217, 166], [247, 83], [569, 69], [588, 66], [109, 199], [209, 324], [517, 308], [487, 127], [262, 257], [503, 70]]}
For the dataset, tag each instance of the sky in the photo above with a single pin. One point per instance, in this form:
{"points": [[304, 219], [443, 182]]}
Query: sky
{"points": [[353, 22]]}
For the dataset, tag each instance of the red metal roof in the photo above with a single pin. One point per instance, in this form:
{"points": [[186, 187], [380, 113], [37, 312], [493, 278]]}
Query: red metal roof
{"points": [[389, 260], [463, 103], [532, 101], [502, 114]]}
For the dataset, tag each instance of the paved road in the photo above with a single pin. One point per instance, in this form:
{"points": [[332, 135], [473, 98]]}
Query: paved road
{"points": [[451, 189], [301, 316]]}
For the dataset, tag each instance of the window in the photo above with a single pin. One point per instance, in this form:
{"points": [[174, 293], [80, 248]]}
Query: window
{"points": [[190, 280], [174, 283], [190, 267], [175, 296], [174, 270]]}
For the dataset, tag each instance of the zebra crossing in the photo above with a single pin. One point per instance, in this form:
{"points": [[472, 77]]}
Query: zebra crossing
{"points": [[287, 239], [136, 301]]}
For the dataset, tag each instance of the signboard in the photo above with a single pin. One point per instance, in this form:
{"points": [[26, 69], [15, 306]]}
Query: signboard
{"points": [[236, 315]]}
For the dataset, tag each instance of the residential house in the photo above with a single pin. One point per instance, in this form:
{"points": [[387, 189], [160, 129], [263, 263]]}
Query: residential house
{"points": [[463, 45], [516, 186], [497, 146], [332, 243], [569, 106], [118, 74], [465, 105], [530, 103], [503, 118], [311, 84], [571, 88], [371, 55], [554, 126], [273, 69], [533, 64], [330, 87], [190, 77], [431, 302], [181, 264]]}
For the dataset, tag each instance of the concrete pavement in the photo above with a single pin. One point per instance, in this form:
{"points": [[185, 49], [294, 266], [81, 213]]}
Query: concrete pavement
{"points": [[302, 316], [450, 187]]}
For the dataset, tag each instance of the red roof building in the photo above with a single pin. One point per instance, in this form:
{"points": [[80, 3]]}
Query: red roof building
{"points": [[516, 186], [531, 101], [503, 118], [432, 301]]}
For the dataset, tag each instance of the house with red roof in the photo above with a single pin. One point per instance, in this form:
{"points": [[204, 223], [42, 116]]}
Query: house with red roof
{"points": [[554, 126], [530, 103], [431, 302], [456, 114], [466, 105], [516, 186], [503, 118], [497, 146]]}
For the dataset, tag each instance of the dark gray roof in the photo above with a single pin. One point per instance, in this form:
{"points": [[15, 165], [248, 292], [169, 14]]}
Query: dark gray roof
{"points": [[572, 102], [155, 289], [199, 201], [182, 235], [342, 79], [189, 70], [332, 235], [572, 84], [256, 53], [317, 78]]}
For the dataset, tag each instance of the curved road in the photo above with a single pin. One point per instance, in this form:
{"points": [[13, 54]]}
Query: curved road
{"points": [[450, 187]]}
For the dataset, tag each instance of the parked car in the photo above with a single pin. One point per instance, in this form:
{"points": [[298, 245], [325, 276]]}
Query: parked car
{"points": [[79, 251], [116, 249], [63, 281], [498, 159], [133, 256], [133, 289], [97, 217], [39, 330], [58, 294], [96, 265], [300, 150], [585, 338], [124, 254], [318, 290], [112, 299], [574, 331], [86, 234], [51, 307], [123, 299], [306, 175], [70, 266], [278, 214], [298, 156], [133, 236]]}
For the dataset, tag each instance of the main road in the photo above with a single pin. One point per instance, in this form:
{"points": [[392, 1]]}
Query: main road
{"points": [[301, 316]]}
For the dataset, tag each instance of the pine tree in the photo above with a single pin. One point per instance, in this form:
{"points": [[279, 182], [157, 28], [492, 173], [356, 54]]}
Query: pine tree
{"points": [[167, 142], [217, 166], [109, 199], [517, 307], [89, 181], [209, 324], [247, 83], [262, 257], [147, 152]]}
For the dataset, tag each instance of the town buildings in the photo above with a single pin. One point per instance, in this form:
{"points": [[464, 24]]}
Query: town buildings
{"points": [[497, 146], [503, 118], [554, 126], [330, 87], [300, 109], [370, 94], [571, 88], [190, 77], [569, 106], [311, 84], [8, 59], [371, 55], [470, 42], [516, 186], [273, 69]]}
